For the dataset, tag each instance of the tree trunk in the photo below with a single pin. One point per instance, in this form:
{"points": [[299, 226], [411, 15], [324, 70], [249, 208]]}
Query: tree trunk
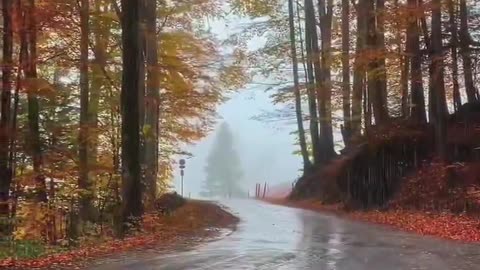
{"points": [[347, 121], [418, 112], [152, 103], [382, 51], [314, 121], [428, 44], [101, 35], [457, 101], [142, 88], [374, 72], [359, 70], [404, 74], [84, 184], [438, 81], [33, 105], [465, 41], [5, 168], [22, 59], [296, 81], [403, 64], [132, 207], [324, 81]]}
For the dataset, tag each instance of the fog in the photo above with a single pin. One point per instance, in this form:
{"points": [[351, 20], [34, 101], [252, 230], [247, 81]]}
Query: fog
{"points": [[265, 147]]}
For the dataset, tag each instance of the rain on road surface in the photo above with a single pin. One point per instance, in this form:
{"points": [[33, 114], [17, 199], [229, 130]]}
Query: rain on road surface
{"points": [[276, 237]]}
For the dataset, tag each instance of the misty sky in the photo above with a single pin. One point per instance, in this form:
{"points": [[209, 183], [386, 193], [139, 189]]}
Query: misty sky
{"points": [[265, 148]]}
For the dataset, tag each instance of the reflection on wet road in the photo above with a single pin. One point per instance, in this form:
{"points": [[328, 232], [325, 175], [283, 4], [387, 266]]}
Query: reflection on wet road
{"points": [[276, 237]]}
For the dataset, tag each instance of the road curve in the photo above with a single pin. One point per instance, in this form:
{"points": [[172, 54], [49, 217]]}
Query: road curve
{"points": [[276, 237]]}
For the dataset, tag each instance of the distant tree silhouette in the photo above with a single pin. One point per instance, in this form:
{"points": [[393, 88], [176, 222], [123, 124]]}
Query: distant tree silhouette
{"points": [[223, 169]]}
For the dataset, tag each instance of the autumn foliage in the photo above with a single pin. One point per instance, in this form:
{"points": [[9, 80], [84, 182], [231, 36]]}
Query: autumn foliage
{"points": [[76, 125], [158, 231]]}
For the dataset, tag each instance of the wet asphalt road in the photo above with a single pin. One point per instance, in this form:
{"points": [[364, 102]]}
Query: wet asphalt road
{"points": [[276, 237]]}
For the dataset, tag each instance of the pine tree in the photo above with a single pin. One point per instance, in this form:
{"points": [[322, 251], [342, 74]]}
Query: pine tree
{"points": [[223, 168]]}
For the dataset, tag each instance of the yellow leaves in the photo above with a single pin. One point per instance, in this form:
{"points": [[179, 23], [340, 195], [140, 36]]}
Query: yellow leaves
{"points": [[179, 47], [33, 221], [233, 76]]}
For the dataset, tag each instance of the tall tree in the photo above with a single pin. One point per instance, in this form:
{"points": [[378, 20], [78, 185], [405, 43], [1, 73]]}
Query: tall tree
{"points": [[465, 42], [418, 112], [346, 95], [296, 81], [86, 206], [375, 71], [457, 100], [152, 101], [403, 61], [33, 104], [223, 170], [311, 35], [382, 53], [438, 80], [101, 34], [5, 131], [132, 60], [324, 150], [359, 68], [325, 84]]}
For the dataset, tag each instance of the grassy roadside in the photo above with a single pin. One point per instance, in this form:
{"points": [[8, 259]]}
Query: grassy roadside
{"points": [[188, 223]]}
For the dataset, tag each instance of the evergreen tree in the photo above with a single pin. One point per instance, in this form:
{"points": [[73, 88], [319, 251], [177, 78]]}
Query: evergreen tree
{"points": [[223, 168]]}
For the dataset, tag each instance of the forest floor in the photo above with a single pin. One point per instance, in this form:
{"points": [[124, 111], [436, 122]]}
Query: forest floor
{"points": [[194, 222], [444, 225]]}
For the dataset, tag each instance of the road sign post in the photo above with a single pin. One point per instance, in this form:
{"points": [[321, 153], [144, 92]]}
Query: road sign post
{"points": [[182, 173]]}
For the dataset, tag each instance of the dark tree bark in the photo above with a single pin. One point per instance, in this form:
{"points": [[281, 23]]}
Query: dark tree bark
{"points": [[465, 42], [418, 112], [22, 59], [428, 44], [314, 120], [404, 62], [142, 88], [438, 81], [324, 81], [359, 69], [84, 183], [367, 108], [132, 207], [296, 81], [374, 71], [5, 132], [404, 74], [152, 102], [382, 51], [33, 104], [457, 101], [324, 151], [346, 95]]}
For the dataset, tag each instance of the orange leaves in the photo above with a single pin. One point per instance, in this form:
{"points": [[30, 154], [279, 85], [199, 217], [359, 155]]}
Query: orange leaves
{"points": [[437, 187], [448, 226], [187, 223], [443, 225]]}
